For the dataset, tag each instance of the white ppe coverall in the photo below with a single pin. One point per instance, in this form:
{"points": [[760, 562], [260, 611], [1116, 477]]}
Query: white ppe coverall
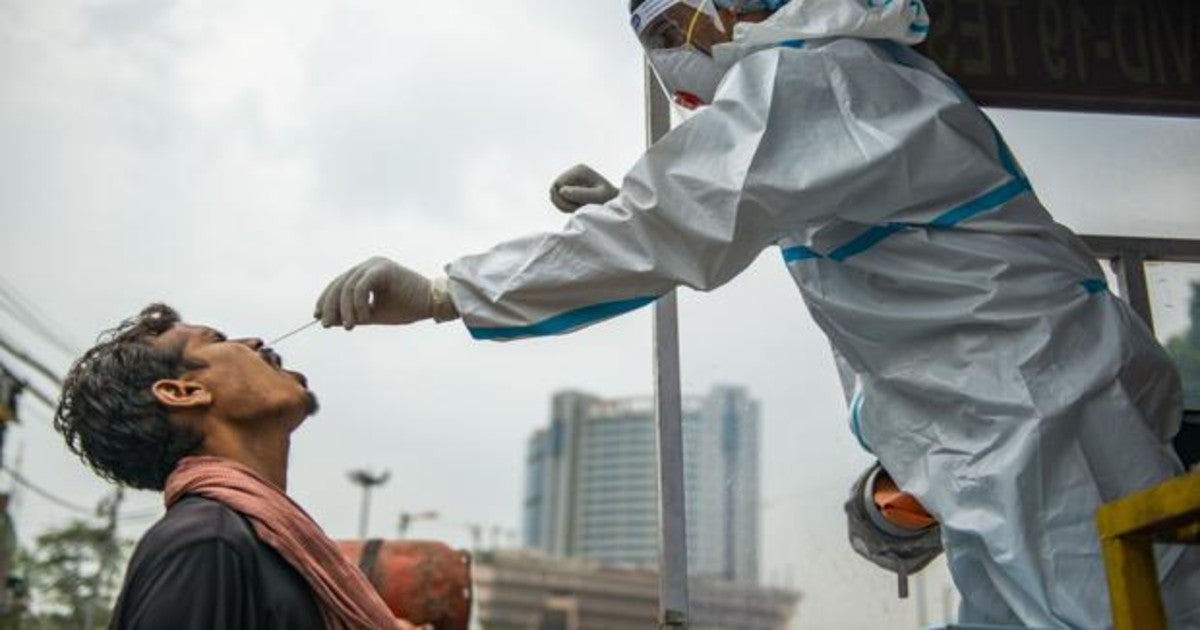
{"points": [[1000, 381]]}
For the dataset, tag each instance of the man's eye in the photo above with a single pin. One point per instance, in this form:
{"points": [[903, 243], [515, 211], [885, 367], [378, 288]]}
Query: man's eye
{"points": [[219, 338]]}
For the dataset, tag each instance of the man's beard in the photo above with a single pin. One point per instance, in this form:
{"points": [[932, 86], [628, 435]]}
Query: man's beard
{"points": [[311, 404]]}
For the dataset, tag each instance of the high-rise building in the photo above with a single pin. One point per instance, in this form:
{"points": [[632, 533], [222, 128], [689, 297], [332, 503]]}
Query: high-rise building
{"points": [[592, 482]]}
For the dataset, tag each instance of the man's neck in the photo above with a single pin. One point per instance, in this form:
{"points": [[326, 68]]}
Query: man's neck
{"points": [[271, 462], [266, 455]]}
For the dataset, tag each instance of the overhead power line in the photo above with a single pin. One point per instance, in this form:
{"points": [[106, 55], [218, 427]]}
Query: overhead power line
{"points": [[24, 357], [24, 386], [69, 505], [6, 306], [140, 515], [35, 319], [46, 494], [39, 395]]}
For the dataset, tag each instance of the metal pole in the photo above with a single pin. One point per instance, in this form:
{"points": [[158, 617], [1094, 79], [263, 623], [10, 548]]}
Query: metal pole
{"points": [[672, 511], [1130, 268], [367, 480], [363, 512], [408, 518]]}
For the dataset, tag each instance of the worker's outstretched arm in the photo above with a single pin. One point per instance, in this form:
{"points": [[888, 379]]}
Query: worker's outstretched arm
{"points": [[786, 145], [794, 139]]}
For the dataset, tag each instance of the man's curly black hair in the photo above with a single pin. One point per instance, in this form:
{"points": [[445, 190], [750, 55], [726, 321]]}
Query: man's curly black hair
{"points": [[108, 413]]}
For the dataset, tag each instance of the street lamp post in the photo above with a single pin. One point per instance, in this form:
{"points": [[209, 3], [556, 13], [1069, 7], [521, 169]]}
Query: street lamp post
{"points": [[408, 518], [368, 480]]}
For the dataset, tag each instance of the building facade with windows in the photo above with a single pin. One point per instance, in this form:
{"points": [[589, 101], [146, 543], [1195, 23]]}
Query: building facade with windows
{"points": [[524, 590], [591, 482]]}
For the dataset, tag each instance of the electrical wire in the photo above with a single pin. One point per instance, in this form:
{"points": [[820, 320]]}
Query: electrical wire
{"points": [[136, 515], [46, 494], [143, 515], [38, 394], [24, 357], [35, 319], [28, 314], [74, 507], [15, 313], [27, 387]]}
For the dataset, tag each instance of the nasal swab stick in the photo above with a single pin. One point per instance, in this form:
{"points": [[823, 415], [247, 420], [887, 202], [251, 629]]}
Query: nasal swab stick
{"points": [[294, 332]]}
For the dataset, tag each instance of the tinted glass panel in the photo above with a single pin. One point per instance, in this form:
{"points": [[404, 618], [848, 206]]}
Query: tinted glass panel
{"points": [[1175, 301]]}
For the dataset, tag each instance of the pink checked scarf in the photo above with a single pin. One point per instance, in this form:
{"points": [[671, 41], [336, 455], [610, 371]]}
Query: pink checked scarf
{"points": [[347, 600]]}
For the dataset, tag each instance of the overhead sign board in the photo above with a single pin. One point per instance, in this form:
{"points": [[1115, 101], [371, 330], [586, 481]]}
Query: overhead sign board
{"points": [[1138, 56]]}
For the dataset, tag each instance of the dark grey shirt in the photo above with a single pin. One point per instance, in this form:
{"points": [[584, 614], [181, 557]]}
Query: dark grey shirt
{"points": [[202, 567]]}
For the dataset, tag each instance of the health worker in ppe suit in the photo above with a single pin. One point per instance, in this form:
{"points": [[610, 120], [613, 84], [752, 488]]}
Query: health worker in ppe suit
{"points": [[999, 381]]}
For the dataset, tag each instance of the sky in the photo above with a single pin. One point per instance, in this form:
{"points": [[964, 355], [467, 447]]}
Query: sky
{"points": [[231, 158]]}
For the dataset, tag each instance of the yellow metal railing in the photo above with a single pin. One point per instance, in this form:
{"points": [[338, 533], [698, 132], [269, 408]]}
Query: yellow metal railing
{"points": [[1129, 528]]}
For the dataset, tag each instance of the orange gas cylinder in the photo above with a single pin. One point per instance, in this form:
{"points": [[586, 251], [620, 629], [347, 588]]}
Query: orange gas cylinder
{"points": [[422, 581]]}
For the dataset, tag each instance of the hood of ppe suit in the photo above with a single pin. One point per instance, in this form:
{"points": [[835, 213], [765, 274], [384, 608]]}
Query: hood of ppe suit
{"points": [[693, 77], [902, 21]]}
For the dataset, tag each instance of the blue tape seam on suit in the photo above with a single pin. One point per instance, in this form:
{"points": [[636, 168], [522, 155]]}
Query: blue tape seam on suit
{"points": [[565, 322], [877, 234]]}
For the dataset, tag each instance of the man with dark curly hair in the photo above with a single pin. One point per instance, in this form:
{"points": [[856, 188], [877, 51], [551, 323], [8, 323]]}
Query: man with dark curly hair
{"points": [[160, 404]]}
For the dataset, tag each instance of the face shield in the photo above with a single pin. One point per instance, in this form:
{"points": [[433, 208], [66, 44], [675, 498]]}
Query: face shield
{"points": [[679, 36], [668, 24]]}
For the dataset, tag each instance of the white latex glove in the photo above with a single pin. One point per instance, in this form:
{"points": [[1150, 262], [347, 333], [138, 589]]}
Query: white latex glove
{"points": [[580, 186], [379, 291]]}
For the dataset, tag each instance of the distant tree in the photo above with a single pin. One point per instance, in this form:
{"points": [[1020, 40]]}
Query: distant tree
{"points": [[1185, 348], [73, 575]]}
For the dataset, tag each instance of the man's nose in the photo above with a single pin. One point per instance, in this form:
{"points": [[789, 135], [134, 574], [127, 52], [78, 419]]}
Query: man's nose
{"points": [[254, 343]]}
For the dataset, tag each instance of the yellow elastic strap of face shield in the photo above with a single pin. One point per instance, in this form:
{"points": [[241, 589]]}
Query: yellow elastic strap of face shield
{"points": [[695, 18]]}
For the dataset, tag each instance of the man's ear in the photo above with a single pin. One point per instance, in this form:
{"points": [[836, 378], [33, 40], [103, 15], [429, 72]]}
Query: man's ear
{"points": [[175, 394]]}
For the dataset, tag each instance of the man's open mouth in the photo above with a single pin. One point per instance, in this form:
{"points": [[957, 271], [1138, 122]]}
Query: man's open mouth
{"points": [[299, 377], [276, 361]]}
